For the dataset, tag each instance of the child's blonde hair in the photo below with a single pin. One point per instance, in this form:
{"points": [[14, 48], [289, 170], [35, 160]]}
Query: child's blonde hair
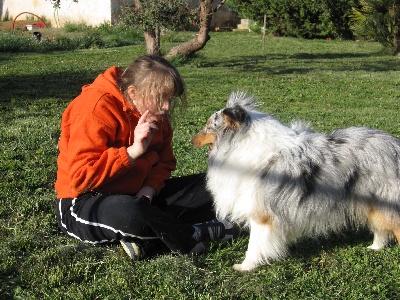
{"points": [[154, 78]]}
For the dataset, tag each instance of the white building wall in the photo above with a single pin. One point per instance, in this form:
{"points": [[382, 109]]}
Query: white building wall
{"points": [[91, 12]]}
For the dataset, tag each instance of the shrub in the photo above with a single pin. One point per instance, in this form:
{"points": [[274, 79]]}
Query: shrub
{"points": [[71, 37], [378, 20], [11, 42], [76, 27], [300, 18]]}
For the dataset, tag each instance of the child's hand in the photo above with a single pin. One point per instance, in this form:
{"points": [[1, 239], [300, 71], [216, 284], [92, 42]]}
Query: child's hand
{"points": [[142, 137]]}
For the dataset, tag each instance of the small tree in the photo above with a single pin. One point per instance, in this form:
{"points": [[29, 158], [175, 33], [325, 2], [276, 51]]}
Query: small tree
{"points": [[379, 20], [155, 15], [206, 10]]}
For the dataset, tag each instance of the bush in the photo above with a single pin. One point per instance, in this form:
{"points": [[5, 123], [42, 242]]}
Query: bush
{"points": [[306, 19], [300, 18], [120, 35], [77, 27], [11, 42], [71, 37], [378, 20]]}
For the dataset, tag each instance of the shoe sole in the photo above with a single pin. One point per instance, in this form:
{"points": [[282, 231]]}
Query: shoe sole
{"points": [[132, 250]]}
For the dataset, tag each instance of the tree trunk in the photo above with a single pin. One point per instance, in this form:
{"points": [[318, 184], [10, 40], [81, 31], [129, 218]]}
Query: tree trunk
{"points": [[206, 12], [152, 38], [151, 35], [394, 13]]}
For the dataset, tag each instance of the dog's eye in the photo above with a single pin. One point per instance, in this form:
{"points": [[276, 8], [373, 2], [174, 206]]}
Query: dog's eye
{"points": [[215, 121]]}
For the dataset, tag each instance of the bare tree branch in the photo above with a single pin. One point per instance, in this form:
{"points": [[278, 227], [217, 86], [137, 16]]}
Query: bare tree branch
{"points": [[206, 12]]}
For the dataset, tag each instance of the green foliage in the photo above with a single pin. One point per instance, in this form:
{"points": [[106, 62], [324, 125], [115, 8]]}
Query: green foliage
{"points": [[164, 14], [330, 83], [76, 27], [57, 3], [299, 18], [72, 37], [6, 16], [379, 20]]}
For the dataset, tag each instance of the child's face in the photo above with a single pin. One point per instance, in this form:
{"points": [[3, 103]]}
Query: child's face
{"points": [[155, 113], [143, 104]]}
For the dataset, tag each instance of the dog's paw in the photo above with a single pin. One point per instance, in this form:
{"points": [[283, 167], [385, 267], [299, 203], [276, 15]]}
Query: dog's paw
{"points": [[238, 267], [241, 268], [375, 247]]}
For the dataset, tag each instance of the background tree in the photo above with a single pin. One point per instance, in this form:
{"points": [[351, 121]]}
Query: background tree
{"points": [[206, 10], [156, 15], [379, 20], [153, 16]]}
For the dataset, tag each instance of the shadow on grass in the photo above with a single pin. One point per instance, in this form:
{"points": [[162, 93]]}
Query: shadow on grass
{"points": [[67, 85], [305, 251], [304, 63], [62, 85], [307, 248]]}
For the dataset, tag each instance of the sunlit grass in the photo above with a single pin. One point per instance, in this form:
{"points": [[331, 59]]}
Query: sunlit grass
{"points": [[329, 83]]}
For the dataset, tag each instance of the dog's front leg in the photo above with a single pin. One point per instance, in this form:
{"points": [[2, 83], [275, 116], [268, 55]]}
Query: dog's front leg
{"points": [[264, 246]]}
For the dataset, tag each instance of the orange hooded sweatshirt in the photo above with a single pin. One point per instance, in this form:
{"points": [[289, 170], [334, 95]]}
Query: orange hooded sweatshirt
{"points": [[96, 129]]}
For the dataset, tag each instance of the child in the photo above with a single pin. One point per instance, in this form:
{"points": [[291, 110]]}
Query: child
{"points": [[115, 161]]}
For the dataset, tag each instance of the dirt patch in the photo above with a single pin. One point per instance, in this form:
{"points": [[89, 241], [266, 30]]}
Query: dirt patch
{"points": [[19, 25], [7, 25]]}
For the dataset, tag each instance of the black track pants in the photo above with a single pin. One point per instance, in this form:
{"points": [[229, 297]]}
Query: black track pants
{"points": [[103, 218]]}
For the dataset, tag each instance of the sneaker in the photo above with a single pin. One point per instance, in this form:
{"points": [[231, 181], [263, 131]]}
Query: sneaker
{"points": [[228, 230], [135, 250], [214, 230]]}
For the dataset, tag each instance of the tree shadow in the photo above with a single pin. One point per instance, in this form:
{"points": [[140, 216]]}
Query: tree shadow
{"points": [[305, 63], [65, 85]]}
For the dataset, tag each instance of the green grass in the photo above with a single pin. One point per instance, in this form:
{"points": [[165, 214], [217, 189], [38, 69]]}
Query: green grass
{"points": [[329, 83], [70, 37]]}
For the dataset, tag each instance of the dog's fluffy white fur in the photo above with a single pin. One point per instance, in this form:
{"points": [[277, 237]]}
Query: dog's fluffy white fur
{"points": [[289, 182]]}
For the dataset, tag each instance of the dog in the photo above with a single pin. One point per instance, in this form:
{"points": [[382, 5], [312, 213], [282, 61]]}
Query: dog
{"points": [[287, 182]]}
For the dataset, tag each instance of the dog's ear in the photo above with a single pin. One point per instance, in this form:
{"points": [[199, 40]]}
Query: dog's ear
{"points": [[242, 99], [235, 117]]}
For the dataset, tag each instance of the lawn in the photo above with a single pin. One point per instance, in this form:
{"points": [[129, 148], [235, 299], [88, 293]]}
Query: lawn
{"points": [[329, 83]]}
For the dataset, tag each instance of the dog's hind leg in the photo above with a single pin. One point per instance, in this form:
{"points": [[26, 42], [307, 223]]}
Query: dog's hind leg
{"points": [[264, 246], [397, 235], [382, 227], [381, 239]]}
